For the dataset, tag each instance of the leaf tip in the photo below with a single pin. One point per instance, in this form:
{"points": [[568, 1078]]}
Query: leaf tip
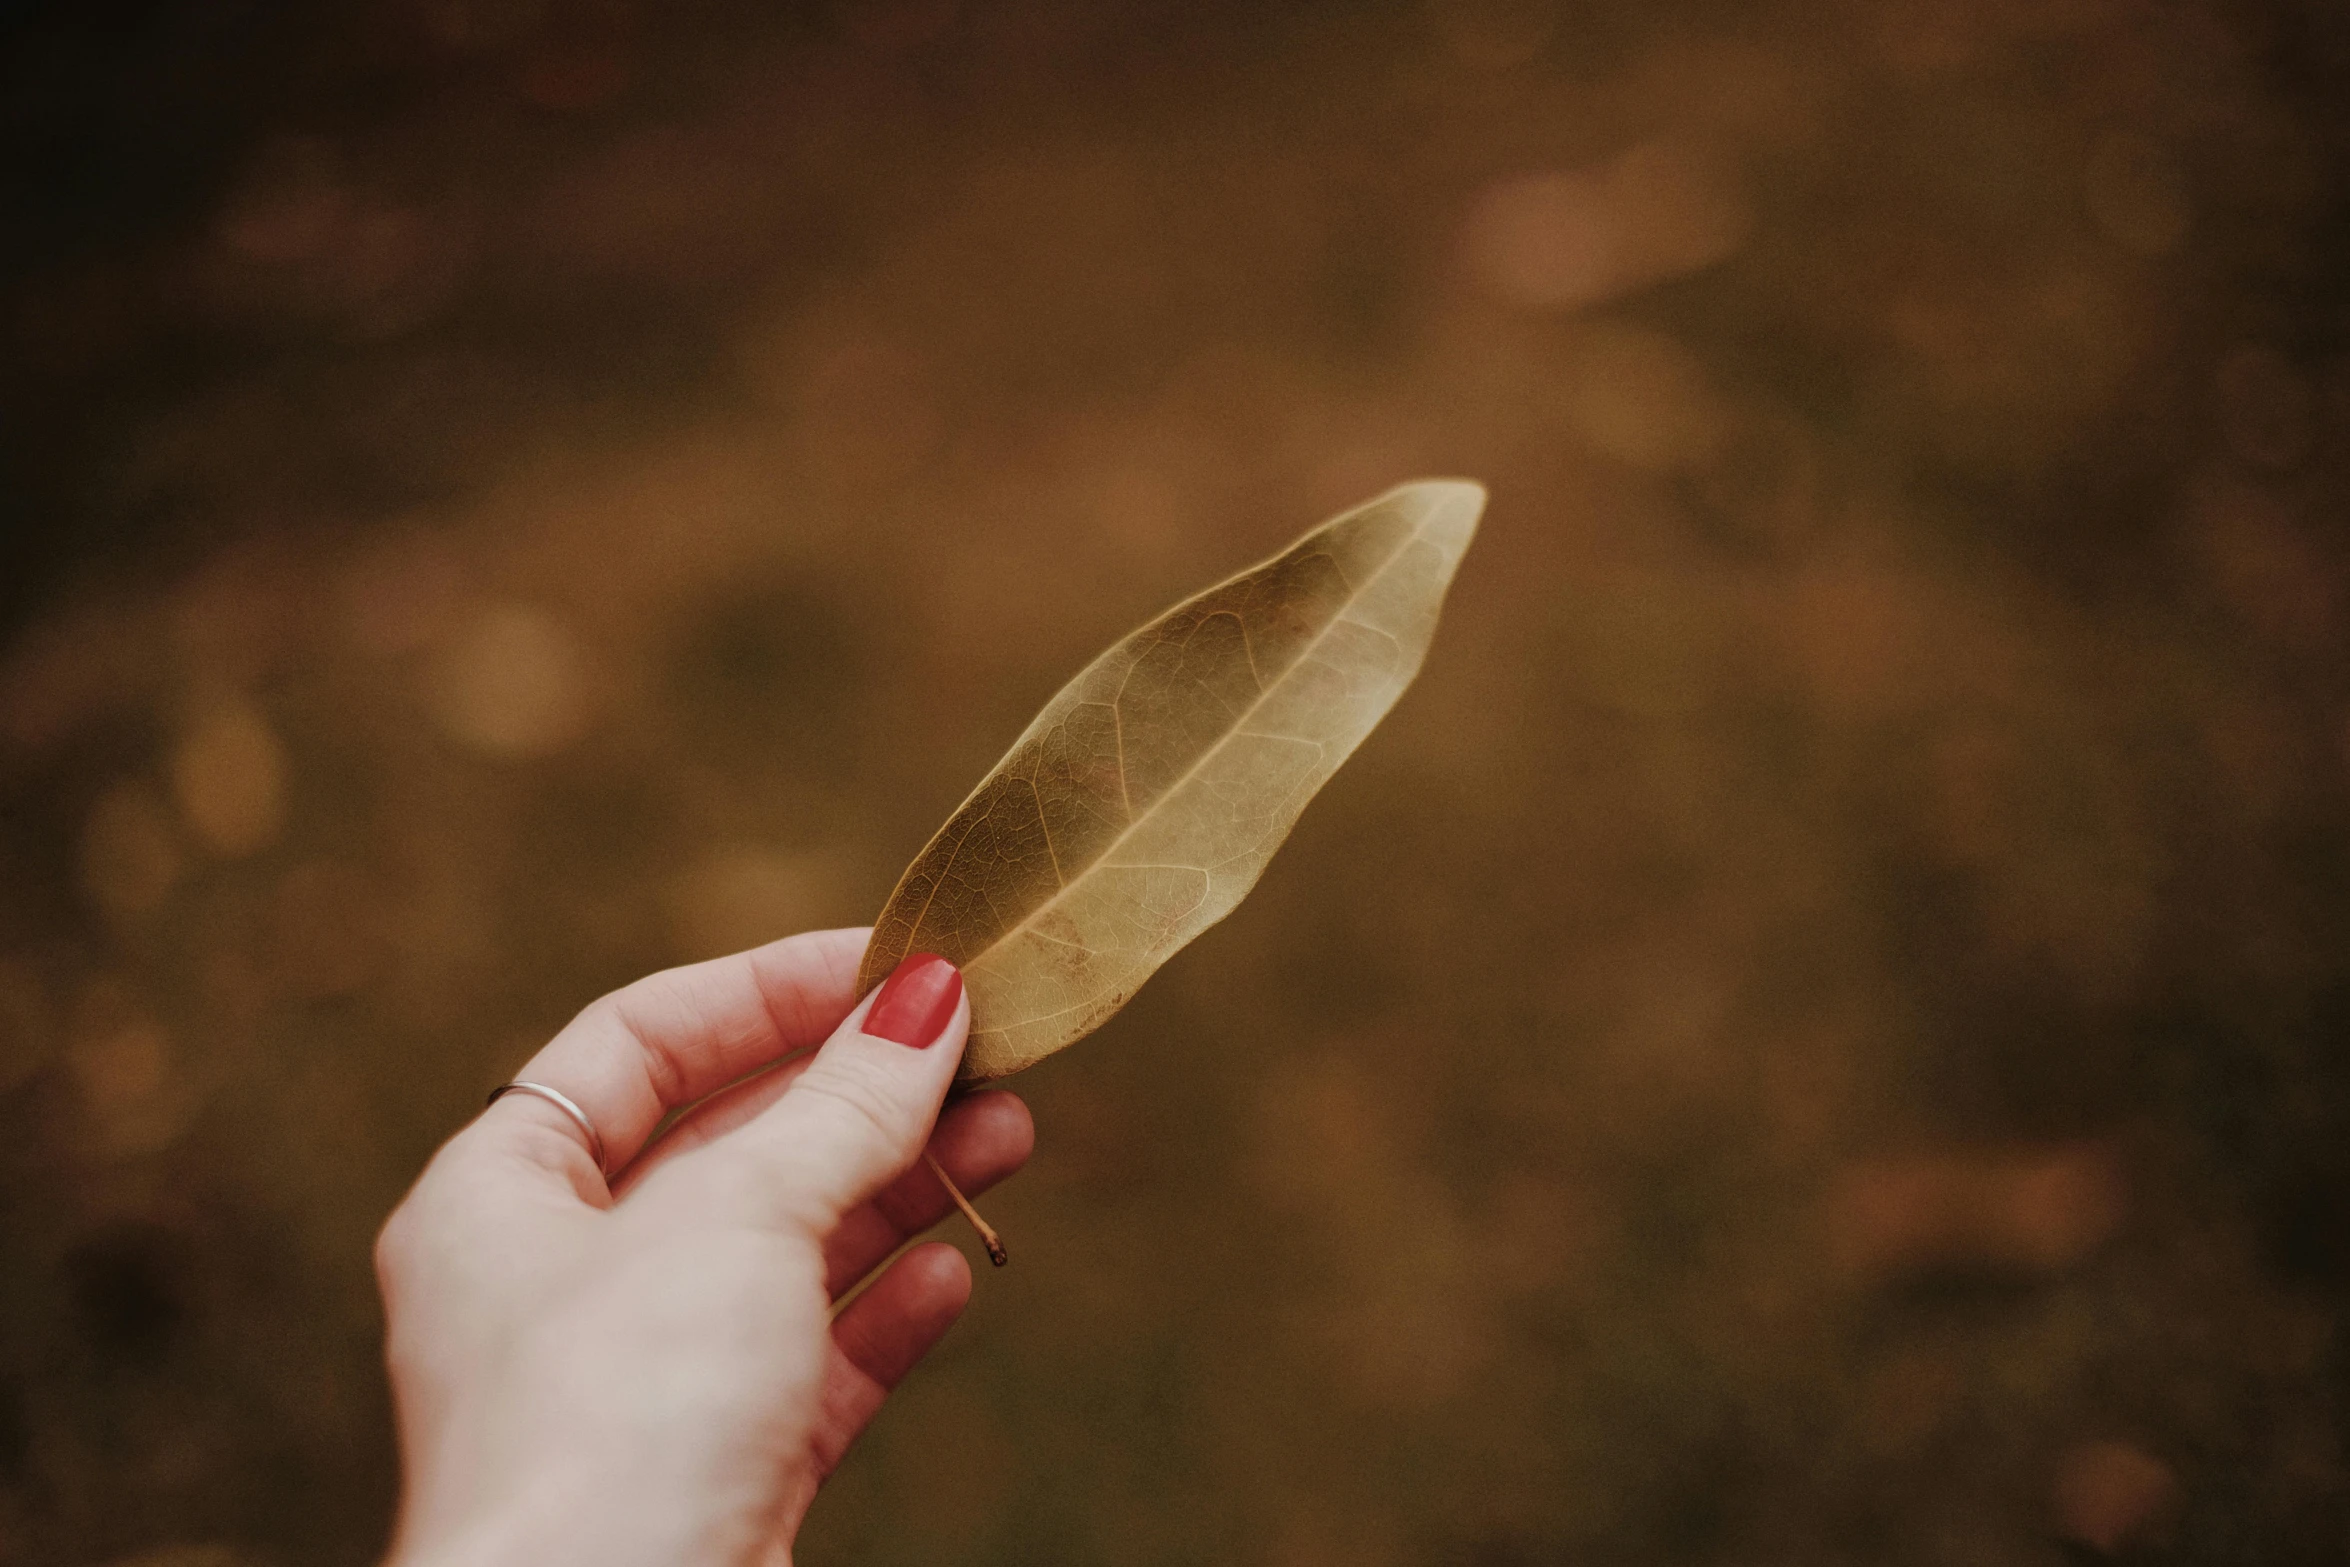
{"points": [[1450, 490]]}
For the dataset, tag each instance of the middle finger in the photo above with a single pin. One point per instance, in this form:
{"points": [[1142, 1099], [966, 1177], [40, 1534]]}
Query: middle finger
{"points": [[980, 1141]]}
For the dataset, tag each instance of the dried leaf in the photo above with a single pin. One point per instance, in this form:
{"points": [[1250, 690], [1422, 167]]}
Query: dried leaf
{"points": [[1144, 801]]}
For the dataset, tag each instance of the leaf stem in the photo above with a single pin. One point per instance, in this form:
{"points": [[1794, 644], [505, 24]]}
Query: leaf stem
{"points": [[987, 1235]]}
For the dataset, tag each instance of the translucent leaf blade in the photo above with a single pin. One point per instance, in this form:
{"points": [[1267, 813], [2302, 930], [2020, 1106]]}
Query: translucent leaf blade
{"points": [[1142, 804]]}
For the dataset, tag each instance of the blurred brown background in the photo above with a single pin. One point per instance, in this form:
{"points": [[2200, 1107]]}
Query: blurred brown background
{"points": [[1815, 1034]]}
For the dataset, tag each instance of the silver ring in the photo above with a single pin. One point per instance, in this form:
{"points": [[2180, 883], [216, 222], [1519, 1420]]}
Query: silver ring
{"points": [[561, 1102]]}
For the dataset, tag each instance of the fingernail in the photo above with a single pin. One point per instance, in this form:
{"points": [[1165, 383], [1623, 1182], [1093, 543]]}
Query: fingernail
{"points": [[914, 1003]]}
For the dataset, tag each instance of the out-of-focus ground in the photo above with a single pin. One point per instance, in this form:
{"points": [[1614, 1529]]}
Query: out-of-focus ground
{"points": [[1814, 1035]]}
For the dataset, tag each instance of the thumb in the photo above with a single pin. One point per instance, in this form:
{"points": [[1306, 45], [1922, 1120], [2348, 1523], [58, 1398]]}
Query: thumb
{"points": [[859, 1116]]}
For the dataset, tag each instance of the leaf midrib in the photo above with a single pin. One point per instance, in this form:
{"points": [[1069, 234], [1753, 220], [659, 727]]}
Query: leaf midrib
{"points": [[1240, 720]]}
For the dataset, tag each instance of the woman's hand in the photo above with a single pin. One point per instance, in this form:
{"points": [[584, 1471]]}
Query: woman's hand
{"points": [[647, 1371]]}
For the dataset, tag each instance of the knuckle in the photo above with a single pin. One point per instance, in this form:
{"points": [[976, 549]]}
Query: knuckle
{"points": [[828, 1444], [623, 1012], [413, 1233], [862, 1092], [393, 1248]]}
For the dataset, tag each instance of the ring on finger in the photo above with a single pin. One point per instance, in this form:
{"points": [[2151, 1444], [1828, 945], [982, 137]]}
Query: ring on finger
{"points": [[560, 1101]]}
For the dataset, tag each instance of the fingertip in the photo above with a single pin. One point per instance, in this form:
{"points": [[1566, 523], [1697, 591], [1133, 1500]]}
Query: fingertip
{"points": [[939, 1276], [982, 1140], [808, 980], [994, 1129], [921, 1004], [855, 1120], [1017, 1127], [894, 1323]]}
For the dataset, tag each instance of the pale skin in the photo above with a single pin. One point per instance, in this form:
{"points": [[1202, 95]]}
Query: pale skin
{"points": [[648, 1369]]}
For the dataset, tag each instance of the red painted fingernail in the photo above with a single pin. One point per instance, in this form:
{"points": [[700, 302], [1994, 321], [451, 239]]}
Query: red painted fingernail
{"points": [[914, 1003]]}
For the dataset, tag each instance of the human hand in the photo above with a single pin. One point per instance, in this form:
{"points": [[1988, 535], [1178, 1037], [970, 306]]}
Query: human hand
{"points": [[647, 1370]]}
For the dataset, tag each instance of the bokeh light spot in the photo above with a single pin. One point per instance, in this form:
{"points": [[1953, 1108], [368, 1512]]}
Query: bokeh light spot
{"points": [[511, 683], [228, 774], [1579, 237]]}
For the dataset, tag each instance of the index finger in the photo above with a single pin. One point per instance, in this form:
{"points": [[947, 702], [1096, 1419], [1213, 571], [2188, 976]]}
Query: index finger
{"points": [[671, 1038]]}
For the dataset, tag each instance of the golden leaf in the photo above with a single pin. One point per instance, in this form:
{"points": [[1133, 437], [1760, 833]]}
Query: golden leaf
{"points": [[1143, 802]]}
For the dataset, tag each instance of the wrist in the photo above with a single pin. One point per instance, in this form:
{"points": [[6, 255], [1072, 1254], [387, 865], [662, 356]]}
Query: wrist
{"points": [[514, 1529], [576, 1523]]}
